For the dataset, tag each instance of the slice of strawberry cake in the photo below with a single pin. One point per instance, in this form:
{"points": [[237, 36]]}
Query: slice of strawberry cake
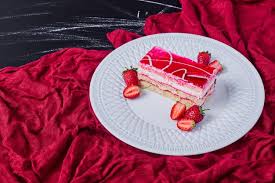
{"points": [[176, 77]]}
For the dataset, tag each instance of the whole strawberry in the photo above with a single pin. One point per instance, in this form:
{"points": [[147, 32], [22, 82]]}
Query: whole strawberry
{"points": [[204, 57], [195, 113], [130, 76]]}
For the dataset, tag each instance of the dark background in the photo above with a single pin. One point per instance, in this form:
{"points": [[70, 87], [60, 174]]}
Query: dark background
{"points": [[30, 29]]}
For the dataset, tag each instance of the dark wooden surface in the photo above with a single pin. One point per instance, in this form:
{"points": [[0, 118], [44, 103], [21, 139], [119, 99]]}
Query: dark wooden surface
{"points": [[30, 29]]}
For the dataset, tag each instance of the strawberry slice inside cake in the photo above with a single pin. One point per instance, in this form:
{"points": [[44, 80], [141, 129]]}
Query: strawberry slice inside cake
{"points": [[176, 77]]}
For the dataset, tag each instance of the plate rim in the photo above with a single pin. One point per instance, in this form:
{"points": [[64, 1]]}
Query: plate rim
{"points": [[261, 93]]}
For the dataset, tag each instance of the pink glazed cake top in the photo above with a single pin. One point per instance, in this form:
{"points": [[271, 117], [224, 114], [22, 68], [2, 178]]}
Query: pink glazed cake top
{"points": [[180, 67]]}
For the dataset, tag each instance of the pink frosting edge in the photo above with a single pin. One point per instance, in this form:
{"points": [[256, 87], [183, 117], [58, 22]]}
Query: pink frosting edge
{"points": [[211, 89], [174, 78]]}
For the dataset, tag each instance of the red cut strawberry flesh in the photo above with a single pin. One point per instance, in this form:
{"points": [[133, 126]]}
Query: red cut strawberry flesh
{"points": [[177, 111], [131, 92], [186, 125], [216, 64]]}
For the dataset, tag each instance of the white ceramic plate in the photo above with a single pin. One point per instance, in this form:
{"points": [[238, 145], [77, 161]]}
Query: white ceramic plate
{"points": [[144, 123]]}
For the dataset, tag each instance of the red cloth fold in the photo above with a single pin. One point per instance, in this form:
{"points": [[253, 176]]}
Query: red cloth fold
{"points": [[119, 37], [48, 132]]}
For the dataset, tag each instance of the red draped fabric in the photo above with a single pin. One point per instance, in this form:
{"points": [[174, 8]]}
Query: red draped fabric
{"points": [[48, 132]]}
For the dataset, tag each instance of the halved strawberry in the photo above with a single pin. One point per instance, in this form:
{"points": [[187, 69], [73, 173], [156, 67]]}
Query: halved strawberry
{"points": [[131, 92], [216, 64], [177, 110], [186, 124]]}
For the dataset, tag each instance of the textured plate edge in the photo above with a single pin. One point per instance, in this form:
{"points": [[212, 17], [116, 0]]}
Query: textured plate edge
{"points": [[256, 116]]}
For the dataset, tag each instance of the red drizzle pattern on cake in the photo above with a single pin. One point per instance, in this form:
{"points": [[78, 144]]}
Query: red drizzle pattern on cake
{"points": [[181, 67]]}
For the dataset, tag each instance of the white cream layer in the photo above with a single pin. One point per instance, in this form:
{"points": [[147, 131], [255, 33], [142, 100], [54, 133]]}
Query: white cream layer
{"points": [[199, 93]]}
